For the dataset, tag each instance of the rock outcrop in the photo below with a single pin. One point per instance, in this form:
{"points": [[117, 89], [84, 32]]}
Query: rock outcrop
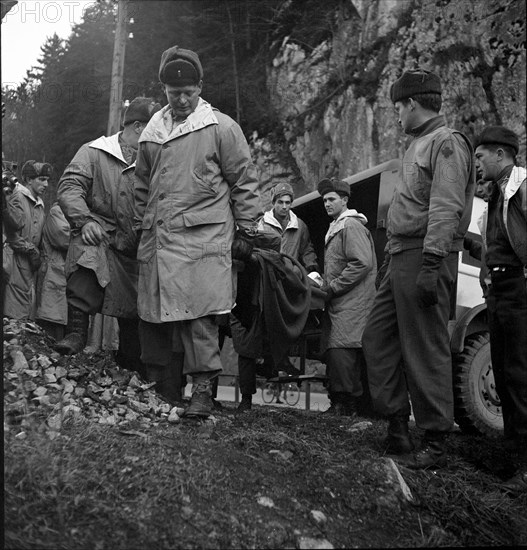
{"points": [[333, 97]]}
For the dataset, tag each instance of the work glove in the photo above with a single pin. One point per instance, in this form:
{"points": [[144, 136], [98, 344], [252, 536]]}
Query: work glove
{"points": [[242, 246], [381, 272], [34, 259], [426, 281]]}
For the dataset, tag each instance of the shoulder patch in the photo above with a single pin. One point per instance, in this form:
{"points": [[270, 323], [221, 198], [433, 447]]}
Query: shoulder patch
{"points": [[446, 151]]}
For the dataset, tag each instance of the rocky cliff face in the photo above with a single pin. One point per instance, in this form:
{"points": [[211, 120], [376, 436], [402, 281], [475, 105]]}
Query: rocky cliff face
{"points": [[333, 97]]}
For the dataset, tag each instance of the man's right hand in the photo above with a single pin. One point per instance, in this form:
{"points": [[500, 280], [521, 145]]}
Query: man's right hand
{"points": [[93, 234]]}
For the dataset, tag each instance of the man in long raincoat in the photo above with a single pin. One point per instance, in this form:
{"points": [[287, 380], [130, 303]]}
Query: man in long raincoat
{"points": [[350, 267], [196, 197], [96, 196]]}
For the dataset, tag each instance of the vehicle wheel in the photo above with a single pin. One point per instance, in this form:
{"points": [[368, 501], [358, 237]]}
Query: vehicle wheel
{"points": [[477, 404], [292, 394], [268, 392]]}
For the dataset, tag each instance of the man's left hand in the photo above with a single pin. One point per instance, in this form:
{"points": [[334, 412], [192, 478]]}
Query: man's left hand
{"points": [[426, 281]]}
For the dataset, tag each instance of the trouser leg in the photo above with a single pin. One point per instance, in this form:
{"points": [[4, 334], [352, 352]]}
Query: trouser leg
{"points": [[344, 370], [247, 375], [507, 314], [382, 351], [128, 355], [425, 341]]}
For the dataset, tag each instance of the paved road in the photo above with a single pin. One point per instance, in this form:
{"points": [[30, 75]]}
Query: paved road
{"points": [[318, 401]]}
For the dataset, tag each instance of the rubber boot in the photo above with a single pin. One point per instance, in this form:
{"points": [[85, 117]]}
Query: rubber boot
{"points": [[201, 400], [76, 332], [168, 381], [245, 404], [398, 439]]}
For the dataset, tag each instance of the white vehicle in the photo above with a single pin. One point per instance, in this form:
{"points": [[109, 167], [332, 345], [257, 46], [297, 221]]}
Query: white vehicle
{"points": [[477, 405]]}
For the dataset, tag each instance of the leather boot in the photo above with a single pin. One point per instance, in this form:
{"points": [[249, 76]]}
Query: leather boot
{"points": [[201, 400], [432, 453], [245, 404], [398, 439], [342, 404], [76, 332], [167, 382]]}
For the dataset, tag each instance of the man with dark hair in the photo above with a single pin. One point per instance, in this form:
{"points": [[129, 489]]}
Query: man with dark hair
{"points": [[96, 195], [505, 238], [350, 267], [406, 341], [196, 197], [24, 221]]}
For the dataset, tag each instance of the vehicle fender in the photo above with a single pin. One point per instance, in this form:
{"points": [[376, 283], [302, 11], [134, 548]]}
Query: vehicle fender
{"points": [[472, 320]]}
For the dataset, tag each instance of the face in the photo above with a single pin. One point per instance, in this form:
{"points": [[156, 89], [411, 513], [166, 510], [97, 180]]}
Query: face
{"points": [[335, 204], [183, 99], [406, 114], [38, 186], [281, 207], [488, 162]]}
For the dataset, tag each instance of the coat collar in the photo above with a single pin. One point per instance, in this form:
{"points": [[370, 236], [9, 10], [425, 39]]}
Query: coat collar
{"points": [[337, 225], [156, 130], [269, 218], [27, 193], [110, 145], [431, 125], [516, 178]]}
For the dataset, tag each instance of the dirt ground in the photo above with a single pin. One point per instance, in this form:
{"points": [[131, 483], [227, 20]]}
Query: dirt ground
{"points": [[84, 472]]}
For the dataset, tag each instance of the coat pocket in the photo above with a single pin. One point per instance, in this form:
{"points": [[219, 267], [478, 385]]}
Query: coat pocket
{"points": [[206, 234]]}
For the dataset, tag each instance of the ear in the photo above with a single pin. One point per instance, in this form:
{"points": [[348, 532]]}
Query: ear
{"points": [[500, 153]]}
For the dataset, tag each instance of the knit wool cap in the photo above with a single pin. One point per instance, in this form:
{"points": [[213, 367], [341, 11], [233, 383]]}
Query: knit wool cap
{"points": [[327, 185], [498, 135], [180, 67], [140, 109], [33, 169], [280, 190], [415, 82]]}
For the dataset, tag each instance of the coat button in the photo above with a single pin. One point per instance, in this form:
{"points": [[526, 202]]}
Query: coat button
{"points": [[164, 171], [162, 196], [165, 146], [159, 222], [122, 193], [159, 247]]}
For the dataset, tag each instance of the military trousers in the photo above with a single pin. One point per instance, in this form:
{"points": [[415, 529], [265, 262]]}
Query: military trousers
{"points": [[407, 348]]}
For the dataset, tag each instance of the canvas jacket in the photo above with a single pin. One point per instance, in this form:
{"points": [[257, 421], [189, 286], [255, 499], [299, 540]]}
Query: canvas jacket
{"points": [[22, 234], [350, 268], [194, 186], [295, 239], [432, 203], [98, 185]]}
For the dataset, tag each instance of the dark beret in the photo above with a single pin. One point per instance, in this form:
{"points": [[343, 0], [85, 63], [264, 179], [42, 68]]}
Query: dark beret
{"points": [[498, 135], [180, 67], [140, 109], [33, 169], [329, 185], [415, 82]]}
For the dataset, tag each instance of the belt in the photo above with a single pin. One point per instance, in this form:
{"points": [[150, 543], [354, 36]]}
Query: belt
{"points": [[501, 268]]}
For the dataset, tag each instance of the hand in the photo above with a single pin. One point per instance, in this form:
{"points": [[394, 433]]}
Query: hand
{"points": [[242, 247], [381, 272], [34, 259], [426, 281], [328, 291], [93, 234]]}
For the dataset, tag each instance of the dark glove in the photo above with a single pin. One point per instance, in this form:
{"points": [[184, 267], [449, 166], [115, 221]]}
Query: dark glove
{"points": [[467, 243], [34, 259], [381, 272], [242, 246], [426, 281], [328, 291], [311, 268]]}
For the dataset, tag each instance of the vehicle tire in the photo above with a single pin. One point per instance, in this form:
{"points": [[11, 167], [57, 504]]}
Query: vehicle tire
{"points": [[477, 404], [268, 392], [292, 394]]}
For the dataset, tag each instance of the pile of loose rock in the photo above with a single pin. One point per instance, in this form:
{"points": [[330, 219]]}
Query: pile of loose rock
{"points": [[39, 382]]}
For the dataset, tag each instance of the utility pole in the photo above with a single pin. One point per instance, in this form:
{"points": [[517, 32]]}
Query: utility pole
{"points": [[116, 88]]}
